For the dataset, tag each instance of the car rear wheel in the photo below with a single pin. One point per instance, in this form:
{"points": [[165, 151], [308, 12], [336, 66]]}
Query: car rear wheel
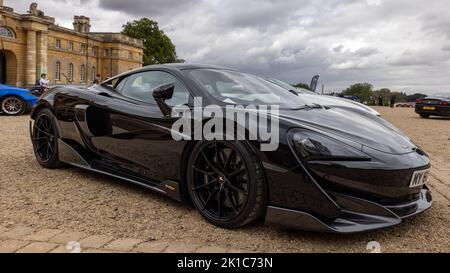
{"points": [[45, 140], [13, 106], [226, 183]]}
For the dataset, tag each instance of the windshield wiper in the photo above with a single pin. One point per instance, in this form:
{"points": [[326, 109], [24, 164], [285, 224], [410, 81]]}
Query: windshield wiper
{"points": [[305, 107], [293, 92], [309, 107]]}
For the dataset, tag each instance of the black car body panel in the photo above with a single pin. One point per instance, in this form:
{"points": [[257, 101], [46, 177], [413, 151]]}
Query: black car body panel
{"points": [[103, 131], [433, 106]]}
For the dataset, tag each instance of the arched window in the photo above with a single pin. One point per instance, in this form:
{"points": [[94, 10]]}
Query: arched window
{"points": [[58, 71], [82, 73], [6, 32], [70, 72], [94, 74]]}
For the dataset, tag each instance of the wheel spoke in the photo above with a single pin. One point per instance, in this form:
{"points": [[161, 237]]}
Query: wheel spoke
{"points": [[203, 172], [213, 193], [216, 147], [39, 149], [205, 185], [232, 201], [228, 160], [235, 172], [40, 130], [233, 187], [46, 125], [50, 147], [219, 202], [47, 152], [209, 163]]}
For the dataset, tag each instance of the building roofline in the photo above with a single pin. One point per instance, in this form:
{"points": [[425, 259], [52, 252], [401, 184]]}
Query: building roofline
{"points": [[50, 22]]}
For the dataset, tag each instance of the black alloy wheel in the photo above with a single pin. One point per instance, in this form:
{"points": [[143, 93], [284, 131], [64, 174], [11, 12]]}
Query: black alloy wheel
{"points": [[45, 140], [226, 183]]}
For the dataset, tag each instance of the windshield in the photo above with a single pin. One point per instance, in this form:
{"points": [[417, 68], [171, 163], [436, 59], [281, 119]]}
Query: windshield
{"points": [[290, 87], [443, 98], [231, 87]]}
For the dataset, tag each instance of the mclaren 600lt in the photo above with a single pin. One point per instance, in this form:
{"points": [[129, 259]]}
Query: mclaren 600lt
{"points": [[333, 169]]}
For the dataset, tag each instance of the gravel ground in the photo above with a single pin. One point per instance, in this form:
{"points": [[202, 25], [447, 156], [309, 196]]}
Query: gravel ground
{"points": [[96, 204]]}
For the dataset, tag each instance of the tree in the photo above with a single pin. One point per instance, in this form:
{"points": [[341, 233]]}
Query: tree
{"points": [[302, 85], [364, 91], [385, 93], [399, 96], [159, 49]]}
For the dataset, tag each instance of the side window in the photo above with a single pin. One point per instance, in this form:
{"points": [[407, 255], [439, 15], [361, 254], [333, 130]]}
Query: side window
{"points": [[140, 85]]}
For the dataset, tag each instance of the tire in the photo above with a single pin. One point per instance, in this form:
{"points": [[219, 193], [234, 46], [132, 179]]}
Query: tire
{"points": [[13, 106], [238, 195], [45, 140], [424, 116]]}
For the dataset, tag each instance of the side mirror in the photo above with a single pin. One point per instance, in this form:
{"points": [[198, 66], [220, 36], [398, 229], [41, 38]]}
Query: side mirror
{"points": [[161, 94]]}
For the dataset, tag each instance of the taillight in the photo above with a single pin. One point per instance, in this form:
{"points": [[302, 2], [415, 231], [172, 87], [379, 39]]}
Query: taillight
{"points": [[419, 101], [444, 103]]}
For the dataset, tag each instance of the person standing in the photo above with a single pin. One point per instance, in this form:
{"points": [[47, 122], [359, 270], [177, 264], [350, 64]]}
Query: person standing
{"points": [[97, 79], [380, 101], [393, 99], [43, 82]]}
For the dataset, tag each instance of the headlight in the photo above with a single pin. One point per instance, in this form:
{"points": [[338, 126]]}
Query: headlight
{"points": [[310, 145]]}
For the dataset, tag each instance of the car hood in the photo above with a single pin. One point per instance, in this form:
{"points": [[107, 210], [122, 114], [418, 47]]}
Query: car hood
{"points": [[16, 90], [367, 131], [338, 102]]}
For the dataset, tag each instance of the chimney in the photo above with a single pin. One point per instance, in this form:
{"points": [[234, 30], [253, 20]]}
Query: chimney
{"points": [[81, 24]]}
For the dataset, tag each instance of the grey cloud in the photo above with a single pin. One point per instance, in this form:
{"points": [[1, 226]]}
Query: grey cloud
{"points": [[338, 49], [149, 8], [365, 52], [400, 44]]}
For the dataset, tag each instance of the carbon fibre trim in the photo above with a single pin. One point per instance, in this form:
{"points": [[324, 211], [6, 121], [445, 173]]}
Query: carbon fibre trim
{"points": [[357, 215]]}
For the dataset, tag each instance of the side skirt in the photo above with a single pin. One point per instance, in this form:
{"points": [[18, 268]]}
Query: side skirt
{"points": [[71, 157]]}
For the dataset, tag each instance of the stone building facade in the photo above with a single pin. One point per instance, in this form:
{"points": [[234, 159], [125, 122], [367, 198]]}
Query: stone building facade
{"points": [[32, 44]]}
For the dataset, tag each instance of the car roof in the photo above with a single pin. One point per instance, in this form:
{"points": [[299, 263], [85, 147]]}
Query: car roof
{"points": [[437, 98], [173, 66], [182, 66]]}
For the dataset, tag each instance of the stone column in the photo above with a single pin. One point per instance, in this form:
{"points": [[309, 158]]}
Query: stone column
{"points": [[30, 69], [42, 59]]}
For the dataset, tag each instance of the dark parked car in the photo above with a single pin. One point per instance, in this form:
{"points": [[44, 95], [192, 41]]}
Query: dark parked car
{"points": [[335, 170], [433, 106]]}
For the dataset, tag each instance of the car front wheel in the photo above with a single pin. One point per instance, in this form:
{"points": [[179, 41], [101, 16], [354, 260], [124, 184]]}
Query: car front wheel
{"points": [[13, 106], [226, 183]]}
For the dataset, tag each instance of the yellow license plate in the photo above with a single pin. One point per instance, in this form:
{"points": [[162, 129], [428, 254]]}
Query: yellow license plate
{"points": [[429, 108]]}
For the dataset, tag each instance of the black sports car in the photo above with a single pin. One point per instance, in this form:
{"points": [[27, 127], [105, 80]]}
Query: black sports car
{"points": [[433, 106], [334, 170]]}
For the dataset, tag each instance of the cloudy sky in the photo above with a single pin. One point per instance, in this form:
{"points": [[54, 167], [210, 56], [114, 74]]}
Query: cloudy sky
{"points": [[399, 44]]}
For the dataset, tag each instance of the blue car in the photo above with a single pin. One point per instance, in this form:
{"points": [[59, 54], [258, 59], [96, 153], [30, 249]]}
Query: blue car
{"points": [[15, 101]]}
